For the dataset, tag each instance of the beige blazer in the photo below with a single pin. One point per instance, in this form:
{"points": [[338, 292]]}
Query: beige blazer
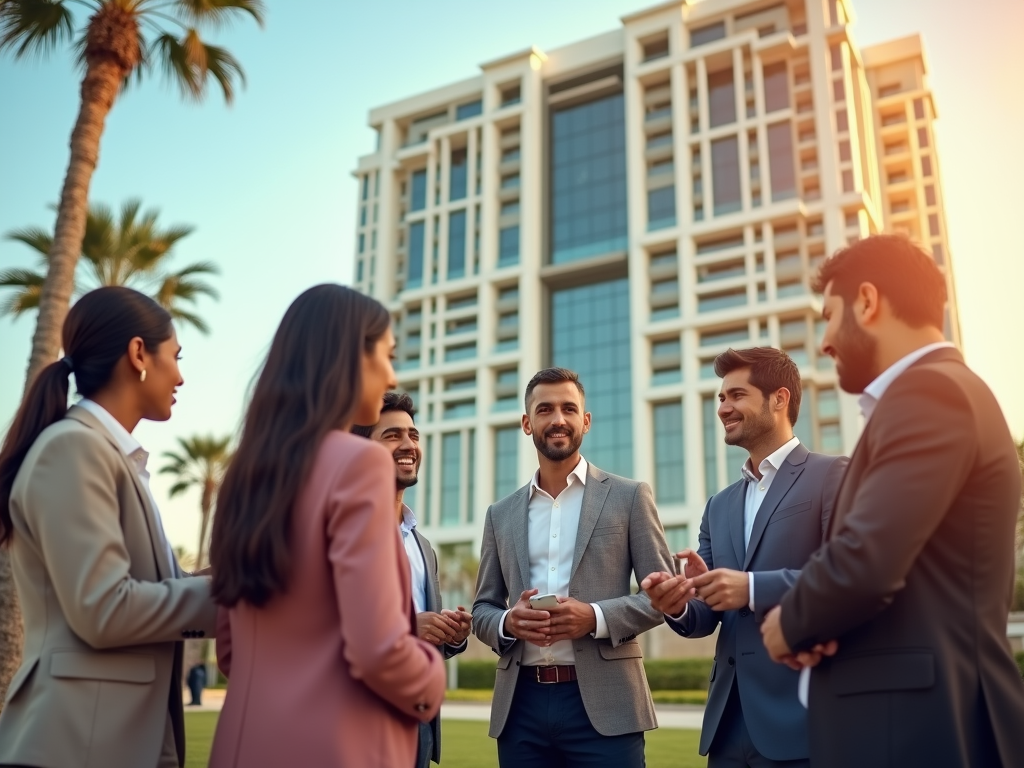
{"points": [[104, 611], [329, 673]]}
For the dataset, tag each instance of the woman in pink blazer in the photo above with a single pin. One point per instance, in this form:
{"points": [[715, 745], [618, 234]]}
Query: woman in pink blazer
{"points": [[316, 639]]}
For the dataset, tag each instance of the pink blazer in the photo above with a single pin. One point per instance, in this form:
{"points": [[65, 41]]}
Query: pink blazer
{"points": [[329, 673]]}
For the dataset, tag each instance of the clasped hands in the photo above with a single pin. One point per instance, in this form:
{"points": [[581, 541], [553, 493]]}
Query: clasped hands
{"points": [[569, 620], [724, 590], [451, 627]]}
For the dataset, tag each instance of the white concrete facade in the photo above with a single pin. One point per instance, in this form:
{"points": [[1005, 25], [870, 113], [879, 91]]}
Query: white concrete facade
{"points": [[861, 156]]}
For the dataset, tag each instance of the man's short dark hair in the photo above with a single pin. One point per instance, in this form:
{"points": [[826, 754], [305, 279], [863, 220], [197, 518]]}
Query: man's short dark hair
{"points": [[552, 376], [901, 271], [770, 370], [393, 401]]}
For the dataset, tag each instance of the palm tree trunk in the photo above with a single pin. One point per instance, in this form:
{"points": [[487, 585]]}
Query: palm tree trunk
{"points": [[12, 635], [99, 89], [100, 85], [206, 507]]}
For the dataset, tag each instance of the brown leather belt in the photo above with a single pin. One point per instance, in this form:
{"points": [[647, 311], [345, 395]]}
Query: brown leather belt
{"points": [[562, 673]]}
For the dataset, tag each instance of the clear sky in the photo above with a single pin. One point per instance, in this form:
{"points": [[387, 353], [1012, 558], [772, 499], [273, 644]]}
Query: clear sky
{"points": [[267, 183]]}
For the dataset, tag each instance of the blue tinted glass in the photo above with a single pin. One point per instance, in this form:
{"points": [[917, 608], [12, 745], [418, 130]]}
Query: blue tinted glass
{"points": [[661, 208], [508, 246], [725, 170], [506, 465], [707, 34], [781, 163], [415, 278], [590, 335], [456, 245], [669, 474], [588, 180], [471, 471], [471, 109], [418, 199], [451, 463], [457, 185]]}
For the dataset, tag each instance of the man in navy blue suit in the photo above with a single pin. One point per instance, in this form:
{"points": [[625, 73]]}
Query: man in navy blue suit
{"points": [[755, 537]]}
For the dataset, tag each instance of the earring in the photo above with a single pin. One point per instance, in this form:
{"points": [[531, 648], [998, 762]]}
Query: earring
{"points": [[142, 376]]}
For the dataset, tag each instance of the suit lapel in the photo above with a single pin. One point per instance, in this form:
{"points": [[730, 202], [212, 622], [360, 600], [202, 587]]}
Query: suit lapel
{"points": [[430, 565], [164, 568], [736, 505], [790, 470], [519, 519], [594, 495]]}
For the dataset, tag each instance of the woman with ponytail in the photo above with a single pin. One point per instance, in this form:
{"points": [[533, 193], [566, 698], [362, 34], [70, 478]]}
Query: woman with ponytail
{"points": [[103, 599]]}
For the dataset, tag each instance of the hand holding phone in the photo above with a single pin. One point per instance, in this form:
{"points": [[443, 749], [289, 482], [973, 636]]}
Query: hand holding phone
{"points": [[543, 602]]}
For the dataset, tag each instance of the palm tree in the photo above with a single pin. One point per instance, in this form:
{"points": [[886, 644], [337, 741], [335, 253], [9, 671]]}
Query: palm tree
{"points": [[127, 250], [120, 39], [200, 464]]}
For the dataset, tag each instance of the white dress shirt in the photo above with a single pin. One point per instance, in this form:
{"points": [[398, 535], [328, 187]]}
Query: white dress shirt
{"points": [[757, 489], [553, 523], [131, 448], [417, 565], [867, 401]]}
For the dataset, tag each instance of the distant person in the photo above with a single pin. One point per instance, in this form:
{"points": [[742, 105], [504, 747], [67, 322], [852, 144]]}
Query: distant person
{"points": [[196, 684], [755, 537], [570, 688], [317, 639], [904, 608], [103, 600], [444, 628]]}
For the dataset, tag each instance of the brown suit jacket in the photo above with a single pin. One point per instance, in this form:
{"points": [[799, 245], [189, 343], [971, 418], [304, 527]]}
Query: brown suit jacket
{"points": [[329, 673], [104, 610], [915, 582]]}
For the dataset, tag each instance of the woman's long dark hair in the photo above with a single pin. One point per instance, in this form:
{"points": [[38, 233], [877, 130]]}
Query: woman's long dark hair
{"points": [[95, 337], [310, 384]]}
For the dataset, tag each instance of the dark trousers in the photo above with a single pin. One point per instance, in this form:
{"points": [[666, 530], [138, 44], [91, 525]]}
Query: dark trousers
{"points": [[426, 746], [548, 727], [732, 747]]}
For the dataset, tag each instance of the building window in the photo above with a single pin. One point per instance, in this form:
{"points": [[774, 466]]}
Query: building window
{"points": [[459, 409], [725, 174], [838, 90], [456, 245], [781, 163], [362, 243], [929, 195], [457, 175], [722, 97], [510, 96], [669, 472], [588, 180], [506, 461], [837, 57], [939, 254], [922, 138], [844, 150], [708, 34], [469, 109], [847, 181], [418, 196], [590, 335], [508, 246], [661, 208], [933, 224], [415, 266], [451, 485], [678, 537], [460, 352], [656, 49], [366, 186], [919, 109], [842, 121], [926, 166], [709, 409], [776, 87]]}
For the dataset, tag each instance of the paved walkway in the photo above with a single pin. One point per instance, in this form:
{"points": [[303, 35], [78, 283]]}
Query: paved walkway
{"points": [[669, 715]]}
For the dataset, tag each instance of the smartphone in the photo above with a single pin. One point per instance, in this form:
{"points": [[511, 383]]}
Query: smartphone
{"points": [[680, 563], [543, 602]]}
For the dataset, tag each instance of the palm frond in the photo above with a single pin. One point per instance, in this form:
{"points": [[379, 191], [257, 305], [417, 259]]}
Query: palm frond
{"points": [[178, 488], [189, 318], [219, 12], [190, 63], [28, 286], [34, 26], [36, 238]]}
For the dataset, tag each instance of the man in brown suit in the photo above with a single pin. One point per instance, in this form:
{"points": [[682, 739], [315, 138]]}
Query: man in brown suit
{"points": [[902, 613]]}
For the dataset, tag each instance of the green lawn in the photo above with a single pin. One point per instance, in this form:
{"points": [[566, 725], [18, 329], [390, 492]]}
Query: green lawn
{"points": [[467, 745]]}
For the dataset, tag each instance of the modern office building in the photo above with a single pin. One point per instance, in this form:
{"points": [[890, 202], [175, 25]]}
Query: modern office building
{"points": [[629, 206]]}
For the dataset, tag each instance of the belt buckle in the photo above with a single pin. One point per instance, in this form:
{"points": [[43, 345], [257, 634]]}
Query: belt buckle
{"points": [[547, 682]]}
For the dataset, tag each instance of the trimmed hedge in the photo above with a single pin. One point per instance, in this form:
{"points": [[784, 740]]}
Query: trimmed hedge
{"points": [[662, 674], [1019, 655]]}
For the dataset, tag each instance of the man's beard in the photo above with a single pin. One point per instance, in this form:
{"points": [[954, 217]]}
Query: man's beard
{"points": [[402, 483], [753, 429], [558, 454], [857, 351]]}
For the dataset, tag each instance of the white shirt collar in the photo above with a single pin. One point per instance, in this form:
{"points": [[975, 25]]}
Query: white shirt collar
{"points": [[773, 462], [580, 473], [873, 392], [128, 444], [408, 519]]}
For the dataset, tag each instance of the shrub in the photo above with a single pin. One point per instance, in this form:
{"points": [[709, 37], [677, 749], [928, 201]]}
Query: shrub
{"points": [[1019, 655], [662, 674]]}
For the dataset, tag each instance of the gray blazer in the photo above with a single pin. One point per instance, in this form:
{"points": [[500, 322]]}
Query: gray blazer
{"points": [[434, 606], [788, 528], [619, 535]]}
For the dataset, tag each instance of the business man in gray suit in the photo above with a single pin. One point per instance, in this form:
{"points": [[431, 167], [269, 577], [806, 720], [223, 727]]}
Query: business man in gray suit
{"points": [[755, 537], [570, 688], [447, 629]]}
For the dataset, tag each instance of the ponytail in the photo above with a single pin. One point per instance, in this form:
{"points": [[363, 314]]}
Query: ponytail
{"points": [[45, 403], [96, 335]]}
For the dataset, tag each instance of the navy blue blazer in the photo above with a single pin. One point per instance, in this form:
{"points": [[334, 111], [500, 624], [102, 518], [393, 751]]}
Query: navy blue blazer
{"points": [[789, 526]]}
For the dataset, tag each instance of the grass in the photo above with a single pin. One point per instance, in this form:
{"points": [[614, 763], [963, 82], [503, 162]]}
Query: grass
{"points": [[467, 745]]}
